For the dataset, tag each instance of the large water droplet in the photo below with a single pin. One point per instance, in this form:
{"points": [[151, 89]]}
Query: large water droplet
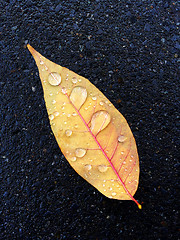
{"points": [[78, 96], [99, 121], [54, 78], [102, 168], [121, 138], [68, 132], [88, 167], [80, 152]]}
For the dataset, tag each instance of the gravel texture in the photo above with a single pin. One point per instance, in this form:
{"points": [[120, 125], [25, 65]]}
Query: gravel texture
{"points": [[129, 49]]}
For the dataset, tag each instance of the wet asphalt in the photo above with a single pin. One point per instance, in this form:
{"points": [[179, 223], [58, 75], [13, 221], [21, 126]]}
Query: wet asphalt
{"points": [[130, 51]]}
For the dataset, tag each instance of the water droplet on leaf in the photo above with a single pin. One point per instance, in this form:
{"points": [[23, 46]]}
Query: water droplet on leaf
{"points": [[74, 80], [78, 96], [99, 121], [54, 78], [80, 152], [73, 159], [88, 167], [51, 116], [121, 138], [102, 168], [56, 114], [68, 132]]}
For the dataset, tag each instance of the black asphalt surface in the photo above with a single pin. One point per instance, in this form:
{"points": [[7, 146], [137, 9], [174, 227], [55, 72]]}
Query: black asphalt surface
{"points": [[129, 49]]}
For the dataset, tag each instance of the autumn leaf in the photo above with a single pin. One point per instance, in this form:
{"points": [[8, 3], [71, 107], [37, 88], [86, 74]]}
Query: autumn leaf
{"points": [[93, 136]]}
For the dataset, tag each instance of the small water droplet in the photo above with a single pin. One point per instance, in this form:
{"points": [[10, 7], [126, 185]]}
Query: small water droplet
{"points": [[51, 116], [41, 62], [68, 115], [121, 138], [56, 114], [65, 122], [50, 94], [53, 101], [99, 121], [114, 194], [54, 78], [63, 90], [110, 188], [88, 167], [80, 80], [73, 159], [74, 80], [63, 113], [94, 98], [122, 152], [74, 114], [80, 152], [76, 126], [78, 96], [130, 160], [68, 132], [46, 68], [101, 103], [102, 168]]}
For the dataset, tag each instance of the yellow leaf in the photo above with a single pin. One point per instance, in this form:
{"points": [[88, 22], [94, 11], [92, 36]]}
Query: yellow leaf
{"points": [[93, 136]]}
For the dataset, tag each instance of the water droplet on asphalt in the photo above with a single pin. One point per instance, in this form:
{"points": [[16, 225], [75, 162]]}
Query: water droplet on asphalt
{"points": [[68, 132], [121, 138], [80, 152], [78, 96], [54, 78], [102, 168]]}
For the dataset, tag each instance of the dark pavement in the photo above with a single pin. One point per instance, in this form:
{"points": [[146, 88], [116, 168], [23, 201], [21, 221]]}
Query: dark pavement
{"points": [[129, 50]]}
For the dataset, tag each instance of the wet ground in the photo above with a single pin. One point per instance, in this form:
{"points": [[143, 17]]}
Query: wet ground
{"points": [[129, 50]]}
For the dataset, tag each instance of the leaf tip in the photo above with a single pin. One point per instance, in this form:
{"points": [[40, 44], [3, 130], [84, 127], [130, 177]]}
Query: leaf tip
{"points": [[139, 206]]}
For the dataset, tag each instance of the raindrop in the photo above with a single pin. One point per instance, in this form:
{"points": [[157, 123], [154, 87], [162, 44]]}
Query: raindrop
{"points": [[78, 96], [46, 68], [102, 168], [114, 194], [41, 62], [122, 152], [53, 101], [74, 80], [54, 78], [63, 90], [74, 114], [88, 167], [121, 138], [68, 132], [80, 152], [56, 114], [73, 159], [101, 103], [51, 116], [94, 98], [99, 121]]}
